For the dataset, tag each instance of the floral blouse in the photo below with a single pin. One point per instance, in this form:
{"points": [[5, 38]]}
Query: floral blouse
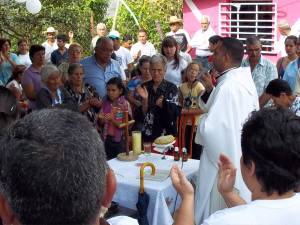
{"points": [[161, 120]]}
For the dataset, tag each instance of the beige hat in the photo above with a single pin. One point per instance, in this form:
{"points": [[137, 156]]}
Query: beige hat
{"points": [[283, 24], [175, 19], [50, 30]]}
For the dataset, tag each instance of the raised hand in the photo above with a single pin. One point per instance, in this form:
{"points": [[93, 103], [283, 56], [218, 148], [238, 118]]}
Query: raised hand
{"points": [[142, 91], [181, 183], [227, 174]]}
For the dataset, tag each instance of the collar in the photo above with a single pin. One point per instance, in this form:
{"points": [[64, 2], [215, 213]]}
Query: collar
{"points": [[261, 61], [225, 71], [95, 60]]}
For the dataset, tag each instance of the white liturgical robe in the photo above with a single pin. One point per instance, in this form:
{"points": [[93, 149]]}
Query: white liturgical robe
{"points": [[219, 131]]}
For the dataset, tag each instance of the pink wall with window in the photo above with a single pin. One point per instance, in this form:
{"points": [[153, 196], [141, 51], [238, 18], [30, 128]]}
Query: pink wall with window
{"points": [[192, 11]]}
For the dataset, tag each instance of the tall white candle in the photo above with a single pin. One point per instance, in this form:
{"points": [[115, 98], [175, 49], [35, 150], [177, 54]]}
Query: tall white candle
{"points": [[136, 142]]}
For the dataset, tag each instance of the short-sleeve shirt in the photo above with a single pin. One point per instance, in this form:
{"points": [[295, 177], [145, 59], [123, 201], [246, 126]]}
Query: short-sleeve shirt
{"points": [[259, 212], [291, 72], [124, 58], [6, 69], [32, 77], [263, 73], [57, 58], [48, 50], [182, 37], [97, 76], [146, 49], [173, 75]]}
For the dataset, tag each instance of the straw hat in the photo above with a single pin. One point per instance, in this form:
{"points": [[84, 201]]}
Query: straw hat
{"points": [[50, 30], [175, 19], [283, 24]]}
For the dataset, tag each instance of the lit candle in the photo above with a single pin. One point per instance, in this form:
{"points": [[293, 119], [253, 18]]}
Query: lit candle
{"points": [[136, 142]]}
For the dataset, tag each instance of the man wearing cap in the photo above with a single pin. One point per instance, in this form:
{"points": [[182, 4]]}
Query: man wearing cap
{"points": [[123, 56], [50, 45], [181, 36], [201, 43]]}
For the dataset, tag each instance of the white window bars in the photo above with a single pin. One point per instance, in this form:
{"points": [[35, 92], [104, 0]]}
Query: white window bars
{"points": [[241, 19]]}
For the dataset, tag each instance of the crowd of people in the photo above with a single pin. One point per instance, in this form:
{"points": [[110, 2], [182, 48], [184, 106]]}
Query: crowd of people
{"points": [[52, 84]]}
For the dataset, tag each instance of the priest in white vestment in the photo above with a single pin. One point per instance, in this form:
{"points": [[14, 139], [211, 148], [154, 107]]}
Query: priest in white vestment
{"points": [[219, 131]]}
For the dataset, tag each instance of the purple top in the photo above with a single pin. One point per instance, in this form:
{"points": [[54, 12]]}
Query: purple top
{"points": [[32, 77]]}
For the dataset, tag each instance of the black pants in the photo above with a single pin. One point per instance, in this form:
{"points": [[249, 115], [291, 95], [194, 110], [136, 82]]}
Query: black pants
{"points": [[113, 148], [197, 149]]}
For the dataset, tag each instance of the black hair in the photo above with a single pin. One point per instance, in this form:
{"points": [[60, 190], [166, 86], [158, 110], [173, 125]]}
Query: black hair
{"points": [[252, 40], [271, 140], [278, 86], [19, 70], [293, 38], [62, 37], [53, 168], [234, 48], [127, 37], [2, 42], [119, 83], [171, 42], [215, 39], [142, 30], [34, 49], [142, 60], [21, 41], [9, 107]]}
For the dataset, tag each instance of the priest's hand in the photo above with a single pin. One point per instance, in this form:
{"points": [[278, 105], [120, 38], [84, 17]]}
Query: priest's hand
{"points": [[227, 174], [181, 183], [206, 80]]}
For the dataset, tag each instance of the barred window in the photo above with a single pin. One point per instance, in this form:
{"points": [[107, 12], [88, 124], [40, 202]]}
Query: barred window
{"points": [[241, 19]]}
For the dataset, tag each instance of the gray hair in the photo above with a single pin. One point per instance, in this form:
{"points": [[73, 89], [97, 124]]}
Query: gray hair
{"points": [[99, 25], [47, 71], [53, 168], [206, 17], [159, 58]]}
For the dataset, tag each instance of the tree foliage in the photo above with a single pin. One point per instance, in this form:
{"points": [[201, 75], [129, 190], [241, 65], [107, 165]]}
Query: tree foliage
{"points": [[147, 13], [16, 22]]}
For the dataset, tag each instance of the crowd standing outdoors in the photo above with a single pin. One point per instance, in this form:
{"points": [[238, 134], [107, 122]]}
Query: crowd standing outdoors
{"points": [[253, 174]]}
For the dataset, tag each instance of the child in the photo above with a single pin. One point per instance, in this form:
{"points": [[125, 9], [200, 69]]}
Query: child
{"points": [[189, 93], [14, 82], [111, 115]]}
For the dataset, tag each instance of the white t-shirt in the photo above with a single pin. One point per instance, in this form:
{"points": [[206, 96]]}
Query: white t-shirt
{"points": [[146, 49], [24, 59], [174, 75], [15, 84], [122, 220], [124, 58], [48, 50], [260, 212]]}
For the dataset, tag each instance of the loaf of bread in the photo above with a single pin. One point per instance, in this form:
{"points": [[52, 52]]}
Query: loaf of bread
{"points": [[164, 140]]}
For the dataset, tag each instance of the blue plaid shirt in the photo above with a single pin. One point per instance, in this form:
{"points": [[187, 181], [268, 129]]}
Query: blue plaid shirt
{"points": [[263, 73]]}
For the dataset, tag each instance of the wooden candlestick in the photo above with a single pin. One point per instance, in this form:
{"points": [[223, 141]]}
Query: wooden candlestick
{"points": [[126, 156]]}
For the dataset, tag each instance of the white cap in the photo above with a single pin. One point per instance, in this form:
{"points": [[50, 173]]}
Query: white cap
{"points": [[114, 34]]}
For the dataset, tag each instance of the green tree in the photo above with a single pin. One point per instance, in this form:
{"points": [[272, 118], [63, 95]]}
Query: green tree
{"points": [[75, 15], [148, 12]]}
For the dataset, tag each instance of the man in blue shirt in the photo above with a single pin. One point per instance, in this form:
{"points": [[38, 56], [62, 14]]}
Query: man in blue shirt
{"points": [[100, 68], [262, 70]]}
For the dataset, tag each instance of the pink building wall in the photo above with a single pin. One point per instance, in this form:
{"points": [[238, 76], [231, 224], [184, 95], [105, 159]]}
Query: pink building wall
{"points": [[286, 9]]}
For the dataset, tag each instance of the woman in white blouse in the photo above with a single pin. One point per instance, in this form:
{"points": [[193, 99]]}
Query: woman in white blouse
{"points": [[176, 63]]}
